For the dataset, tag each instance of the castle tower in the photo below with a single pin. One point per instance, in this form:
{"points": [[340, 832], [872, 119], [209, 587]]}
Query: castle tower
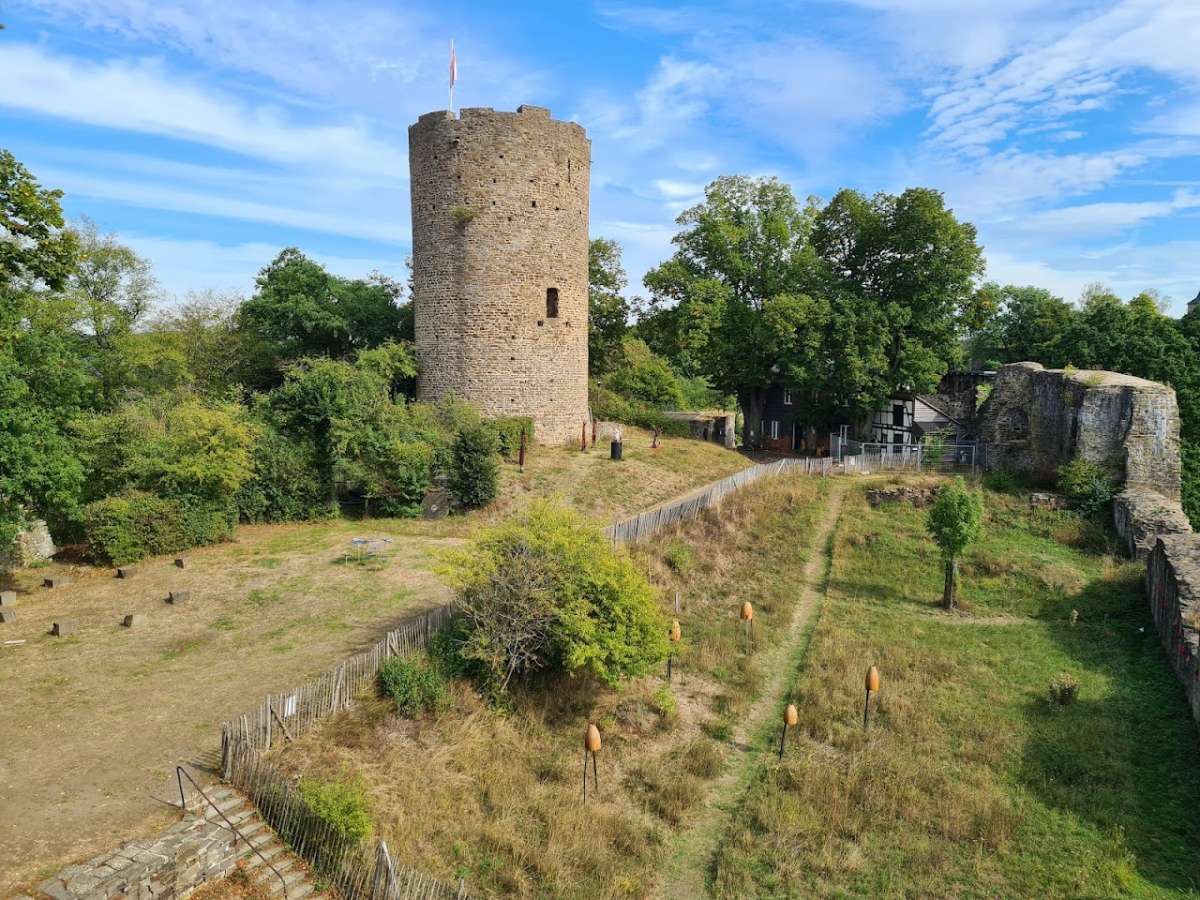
{"points": [[500, 263]]}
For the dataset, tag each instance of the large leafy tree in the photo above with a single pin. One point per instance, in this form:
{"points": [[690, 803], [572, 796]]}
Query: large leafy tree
{"points": [[39, 474], [914, 267], [300, 310], [1026, 323], [735, 287], [608, 310], [846, 303]]}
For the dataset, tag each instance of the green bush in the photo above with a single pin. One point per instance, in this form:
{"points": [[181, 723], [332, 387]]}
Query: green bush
{"points": [[474, 467], [679, 558], [395, 477], [285, 486], [445, 650], [341, 804], [414, 684], [1002, 482], [508, 434], [1089, 486], [545, 590], [135, 524], [608, 406]]}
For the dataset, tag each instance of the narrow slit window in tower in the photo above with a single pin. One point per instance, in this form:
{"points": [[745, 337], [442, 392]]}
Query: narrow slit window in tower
{"points": [[551, 303]]}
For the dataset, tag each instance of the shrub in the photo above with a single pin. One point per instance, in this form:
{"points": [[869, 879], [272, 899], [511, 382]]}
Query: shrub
{"points": [[609, 406], [508, 434], [341, 804], [445, 650], [1063, 690], [285, 486], [416, 686], [474, 469], [1001, 481], [135, 524], [1089, 486], [679, 558], [394, 475], [545, 590]]}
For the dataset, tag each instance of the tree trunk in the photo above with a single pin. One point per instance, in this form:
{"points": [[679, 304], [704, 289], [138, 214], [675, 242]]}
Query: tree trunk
{"points": [[752, 413], [949, 596]]}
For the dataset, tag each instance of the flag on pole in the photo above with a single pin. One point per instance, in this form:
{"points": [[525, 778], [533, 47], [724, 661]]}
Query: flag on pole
{"points": [[453, 73]]}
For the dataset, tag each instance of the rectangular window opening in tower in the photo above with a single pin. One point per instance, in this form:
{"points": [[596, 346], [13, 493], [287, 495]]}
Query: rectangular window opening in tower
{"points": [[551, 303]]}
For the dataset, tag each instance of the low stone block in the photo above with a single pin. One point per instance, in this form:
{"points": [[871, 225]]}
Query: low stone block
{"points": [[177, 597], [1045, 500], [8, 598], [134, 620], [55, 582], [8, 615], [63, 629], [180, 562], [126, 572]]}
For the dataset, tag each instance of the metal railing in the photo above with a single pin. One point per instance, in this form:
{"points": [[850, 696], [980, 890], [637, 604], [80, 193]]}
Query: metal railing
{"points": [[180, 774]]}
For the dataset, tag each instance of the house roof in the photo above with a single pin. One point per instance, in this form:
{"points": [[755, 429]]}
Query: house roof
{"points": [[935, 404]]}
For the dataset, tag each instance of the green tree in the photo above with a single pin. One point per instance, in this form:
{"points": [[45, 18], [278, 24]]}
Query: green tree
{"points": [[300, 310], [734, 286], [35, 249], [904, 270], [1027, 324], [644, 376], [608, 310], [955, 520]]}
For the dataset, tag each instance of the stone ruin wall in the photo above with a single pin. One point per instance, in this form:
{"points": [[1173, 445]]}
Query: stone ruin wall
{"points": [[500, 215], [1037, 419]]}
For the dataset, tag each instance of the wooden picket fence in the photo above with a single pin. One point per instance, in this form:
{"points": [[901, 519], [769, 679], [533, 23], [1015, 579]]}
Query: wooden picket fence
{"points": [[289, 714], [350, 867]]}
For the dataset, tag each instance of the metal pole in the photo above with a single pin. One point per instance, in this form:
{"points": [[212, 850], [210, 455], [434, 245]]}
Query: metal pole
{"points": [[595, 773], [782, 738], [867, 709], [585, 773]]}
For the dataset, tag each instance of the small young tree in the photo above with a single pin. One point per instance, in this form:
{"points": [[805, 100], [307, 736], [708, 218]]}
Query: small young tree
{"points": [[955, 521]]}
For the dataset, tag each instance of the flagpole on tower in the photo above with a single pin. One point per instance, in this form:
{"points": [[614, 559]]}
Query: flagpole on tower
{"points": [[453, 73]]}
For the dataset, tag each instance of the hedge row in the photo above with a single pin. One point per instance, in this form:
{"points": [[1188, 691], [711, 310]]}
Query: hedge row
{"points": [[132, 525]]}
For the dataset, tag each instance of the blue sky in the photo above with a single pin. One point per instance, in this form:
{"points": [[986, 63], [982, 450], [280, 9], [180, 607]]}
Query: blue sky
{"points": [[209, 135]]}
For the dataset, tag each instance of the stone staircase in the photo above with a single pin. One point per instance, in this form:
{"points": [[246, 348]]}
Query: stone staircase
{"points": [[243, 814]]}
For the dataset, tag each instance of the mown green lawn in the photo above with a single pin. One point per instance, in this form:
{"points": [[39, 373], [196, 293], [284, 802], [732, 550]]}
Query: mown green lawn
{"points": [[969, 783]]}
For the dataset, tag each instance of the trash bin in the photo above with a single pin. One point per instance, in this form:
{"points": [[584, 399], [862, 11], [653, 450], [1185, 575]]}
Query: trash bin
{"points": [[615, 451]]}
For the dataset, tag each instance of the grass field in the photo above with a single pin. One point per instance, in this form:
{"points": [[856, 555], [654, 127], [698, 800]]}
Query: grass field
{"points": [[970, 783], [495, 798], [93, 725]]}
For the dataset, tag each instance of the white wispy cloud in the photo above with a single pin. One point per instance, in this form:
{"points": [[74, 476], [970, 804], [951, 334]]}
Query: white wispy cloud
{"points": [[143, 96]]}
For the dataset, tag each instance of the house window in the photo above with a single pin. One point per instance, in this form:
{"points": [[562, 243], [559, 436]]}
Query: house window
{"points": [[774, 430], [898, 415], [787, 398], [551, 303]]}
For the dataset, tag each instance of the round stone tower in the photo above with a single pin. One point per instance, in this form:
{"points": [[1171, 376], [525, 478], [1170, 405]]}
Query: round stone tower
{"points": [[500, 263]]}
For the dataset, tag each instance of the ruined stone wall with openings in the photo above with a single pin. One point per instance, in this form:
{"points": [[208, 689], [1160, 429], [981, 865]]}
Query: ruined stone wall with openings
{"points": [[500, 218], [1036, 419]]}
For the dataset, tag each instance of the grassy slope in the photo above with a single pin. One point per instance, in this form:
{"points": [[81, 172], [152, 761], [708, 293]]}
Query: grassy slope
{"points": [[495, 799], [606, 491], [968, 783]]}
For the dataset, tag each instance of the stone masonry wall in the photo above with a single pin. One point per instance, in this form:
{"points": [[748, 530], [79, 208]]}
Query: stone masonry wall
{"points": [[500, 216], [173, 864], [1037, 419], [1173, 588]]}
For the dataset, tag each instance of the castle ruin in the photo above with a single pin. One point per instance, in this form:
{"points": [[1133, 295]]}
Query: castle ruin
{"points": [[500, 263]]}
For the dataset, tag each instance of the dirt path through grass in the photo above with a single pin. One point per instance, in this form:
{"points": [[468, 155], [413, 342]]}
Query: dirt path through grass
{"points": [[690, 854]]}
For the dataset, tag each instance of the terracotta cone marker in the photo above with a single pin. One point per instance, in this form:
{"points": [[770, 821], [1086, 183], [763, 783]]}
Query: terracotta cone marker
{"points": [[747, 616], [872, 684], [674, 634], [591, 744], [790, 717]]}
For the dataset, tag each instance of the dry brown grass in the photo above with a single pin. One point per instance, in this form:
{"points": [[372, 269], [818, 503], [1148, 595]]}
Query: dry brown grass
{"points": [[495, 798]]}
